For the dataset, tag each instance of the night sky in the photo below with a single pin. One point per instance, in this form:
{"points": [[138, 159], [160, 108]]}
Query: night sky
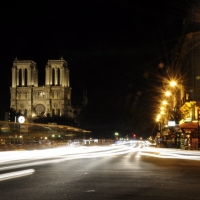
{"points": [[113, 48]]}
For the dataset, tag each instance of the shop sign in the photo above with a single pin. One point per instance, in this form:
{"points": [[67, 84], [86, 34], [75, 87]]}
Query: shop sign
{"points": [[171, 123]]}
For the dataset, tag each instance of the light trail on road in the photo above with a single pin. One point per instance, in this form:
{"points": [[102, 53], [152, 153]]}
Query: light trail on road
{"points": [[17, 174], [22, 159]]}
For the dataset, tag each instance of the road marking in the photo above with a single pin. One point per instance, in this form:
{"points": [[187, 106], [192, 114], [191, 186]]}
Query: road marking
{"points": [[17, 174]]}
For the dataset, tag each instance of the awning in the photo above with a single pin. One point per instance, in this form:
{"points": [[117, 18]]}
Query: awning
{"points": [[189, 125]]}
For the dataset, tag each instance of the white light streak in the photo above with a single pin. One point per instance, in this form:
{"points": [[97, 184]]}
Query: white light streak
{"points": [[18, 159], [16, 174]]}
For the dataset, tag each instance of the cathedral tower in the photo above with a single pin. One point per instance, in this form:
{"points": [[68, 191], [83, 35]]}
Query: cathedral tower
{"points": [[53, 98]]}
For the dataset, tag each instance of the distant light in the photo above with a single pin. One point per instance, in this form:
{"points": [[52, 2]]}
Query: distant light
{"points": [[168, 93], [164, 102], [162, 112], [161, 65], [173, 83], [171, 123], [162, 108], [21, 119], [198, 77], [116, 133]]}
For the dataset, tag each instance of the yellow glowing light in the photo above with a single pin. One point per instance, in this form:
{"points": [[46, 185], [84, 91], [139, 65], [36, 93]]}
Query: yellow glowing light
{"points": [[162, 112], [164, 102], [173, 83], [162, 108], [168, 93]]}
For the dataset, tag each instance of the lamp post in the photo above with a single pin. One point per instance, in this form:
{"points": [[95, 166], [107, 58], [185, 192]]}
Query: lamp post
{"points": [[21, 120]]}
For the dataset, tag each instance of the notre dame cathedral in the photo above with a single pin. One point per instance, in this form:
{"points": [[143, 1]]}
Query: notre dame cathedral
{"points": [[51, 99]]}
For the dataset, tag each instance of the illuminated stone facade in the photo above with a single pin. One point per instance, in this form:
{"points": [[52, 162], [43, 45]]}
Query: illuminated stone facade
{"points": [[186, 65], [53, 98]]}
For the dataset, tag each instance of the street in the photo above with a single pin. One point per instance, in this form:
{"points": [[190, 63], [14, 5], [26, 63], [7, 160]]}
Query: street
{"points": [[119, 172]]}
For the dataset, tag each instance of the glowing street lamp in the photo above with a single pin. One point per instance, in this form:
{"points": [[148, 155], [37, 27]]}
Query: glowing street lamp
{"points": [[168, 93], [164, 102], [162, 108], [173, 83], [162, 112]]}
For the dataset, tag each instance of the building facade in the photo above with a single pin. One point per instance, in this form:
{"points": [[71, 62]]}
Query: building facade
{"points": [[32, 100], [186, 65]]}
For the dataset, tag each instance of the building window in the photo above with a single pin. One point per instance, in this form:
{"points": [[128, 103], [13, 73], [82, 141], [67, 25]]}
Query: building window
{"points": [[58, 94], [41, 94], [26, 77], [20, 77], [58, 76], [53, 76]]}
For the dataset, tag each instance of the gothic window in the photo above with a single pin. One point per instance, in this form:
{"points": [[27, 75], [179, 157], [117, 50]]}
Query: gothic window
{"points": [[58, 76], [41, 94], [20, 77], [26, 77], [40, 109], [59, 112], [53, 76]]}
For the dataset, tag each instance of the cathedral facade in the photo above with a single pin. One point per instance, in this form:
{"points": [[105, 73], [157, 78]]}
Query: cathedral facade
{"points": [[31, 100]]}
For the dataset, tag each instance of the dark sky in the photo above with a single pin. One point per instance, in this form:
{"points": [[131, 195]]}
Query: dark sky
{"points": [[112, 46]]}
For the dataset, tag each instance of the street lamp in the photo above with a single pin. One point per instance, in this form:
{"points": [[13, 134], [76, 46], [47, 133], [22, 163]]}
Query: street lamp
{"points": [[173, 83], [164, 102], [21, 120], [168, 93], [21, 136]]}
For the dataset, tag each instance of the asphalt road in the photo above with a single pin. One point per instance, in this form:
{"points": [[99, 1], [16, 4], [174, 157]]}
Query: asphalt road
{"points": [[119, 175]]}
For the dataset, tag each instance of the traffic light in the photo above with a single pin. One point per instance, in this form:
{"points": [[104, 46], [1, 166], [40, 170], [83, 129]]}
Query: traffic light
{"points": [[134, 136]]}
